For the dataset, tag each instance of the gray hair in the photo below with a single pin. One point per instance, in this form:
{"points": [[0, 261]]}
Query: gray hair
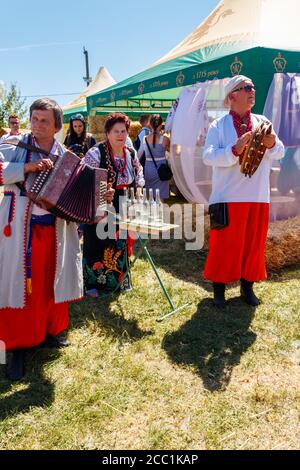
{"points": [[44, 104]]}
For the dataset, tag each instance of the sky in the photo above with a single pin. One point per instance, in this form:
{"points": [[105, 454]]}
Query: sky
{"points": [[41, 42]]}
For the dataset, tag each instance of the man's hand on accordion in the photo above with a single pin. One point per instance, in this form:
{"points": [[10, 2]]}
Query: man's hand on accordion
{"points": [[109, 195], [37, 167]]}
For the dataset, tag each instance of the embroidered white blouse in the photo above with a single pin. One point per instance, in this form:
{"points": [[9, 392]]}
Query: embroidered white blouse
{"points": [[92, 158]]}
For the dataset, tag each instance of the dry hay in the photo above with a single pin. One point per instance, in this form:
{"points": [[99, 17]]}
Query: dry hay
{"points": [[65, 129], [283, 242], [96, 124], [96, 127], [135, 128], [4, 130], [99, 137]]}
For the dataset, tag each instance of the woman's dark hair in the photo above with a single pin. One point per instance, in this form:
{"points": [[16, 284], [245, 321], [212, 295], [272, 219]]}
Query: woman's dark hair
{"points": [[113, 119], [155, 122], [45, 103], [72, 137]]}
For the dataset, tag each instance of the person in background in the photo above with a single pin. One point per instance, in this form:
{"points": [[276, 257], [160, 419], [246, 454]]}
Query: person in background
{"points": [[236, 251], [156, 144], [129, 143], [145, 123], [105, 262], [77, 139], [14, 125]]}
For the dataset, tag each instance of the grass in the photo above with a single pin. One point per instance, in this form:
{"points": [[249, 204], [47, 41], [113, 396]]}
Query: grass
{"points": [[202, 379]]}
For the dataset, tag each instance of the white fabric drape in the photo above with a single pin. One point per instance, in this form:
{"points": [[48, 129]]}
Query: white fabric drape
{"points": [[197, 106], [200, 104], [283, 109]]}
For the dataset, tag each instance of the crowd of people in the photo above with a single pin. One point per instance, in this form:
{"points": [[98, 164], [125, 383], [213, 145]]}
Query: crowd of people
{"points": [[41, 269]]}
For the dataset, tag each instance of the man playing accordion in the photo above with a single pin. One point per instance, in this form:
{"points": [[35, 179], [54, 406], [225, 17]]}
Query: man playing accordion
{"points": [[237, 244], [40, 259]]}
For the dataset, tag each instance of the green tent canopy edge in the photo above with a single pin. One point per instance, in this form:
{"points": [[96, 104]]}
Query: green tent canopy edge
{"points": [[164, 82]]}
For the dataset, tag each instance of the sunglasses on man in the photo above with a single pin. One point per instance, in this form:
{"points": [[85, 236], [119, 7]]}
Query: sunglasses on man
{"points": [[247, 88]]}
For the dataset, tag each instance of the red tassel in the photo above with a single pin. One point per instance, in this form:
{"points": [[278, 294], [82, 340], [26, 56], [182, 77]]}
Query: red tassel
{"points": [[7, 230]]}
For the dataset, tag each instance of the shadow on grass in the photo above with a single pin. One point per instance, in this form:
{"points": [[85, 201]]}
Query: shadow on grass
{"points": [[99, 311], [213, 341], [34, 391]]}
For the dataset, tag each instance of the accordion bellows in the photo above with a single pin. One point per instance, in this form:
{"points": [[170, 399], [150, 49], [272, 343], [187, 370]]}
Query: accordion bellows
{"points": [[71, 190]]}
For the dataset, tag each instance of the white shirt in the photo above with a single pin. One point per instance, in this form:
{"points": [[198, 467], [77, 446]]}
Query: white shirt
{"points": [[228, 183], [143, 132]]}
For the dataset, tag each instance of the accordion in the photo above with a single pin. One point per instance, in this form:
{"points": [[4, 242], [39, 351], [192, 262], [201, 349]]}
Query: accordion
{"points": [[71, 190]]}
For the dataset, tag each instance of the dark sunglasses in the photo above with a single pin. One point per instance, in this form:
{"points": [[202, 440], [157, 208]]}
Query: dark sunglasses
{"points": [[247, 88]]}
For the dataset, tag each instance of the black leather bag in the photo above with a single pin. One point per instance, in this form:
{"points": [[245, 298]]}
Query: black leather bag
{"points": [[218, 215], [164, 171]]}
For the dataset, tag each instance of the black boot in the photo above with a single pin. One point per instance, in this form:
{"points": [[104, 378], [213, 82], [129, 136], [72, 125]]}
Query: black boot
{"points": [[219, 294], [16, 366], [55, 342], [248, 294]]}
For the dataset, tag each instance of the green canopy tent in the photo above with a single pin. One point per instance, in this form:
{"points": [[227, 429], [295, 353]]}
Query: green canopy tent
{"points": [[256, 38]]}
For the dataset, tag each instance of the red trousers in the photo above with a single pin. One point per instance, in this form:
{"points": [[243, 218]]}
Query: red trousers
{"points": [[27, 327], [239, 249]]}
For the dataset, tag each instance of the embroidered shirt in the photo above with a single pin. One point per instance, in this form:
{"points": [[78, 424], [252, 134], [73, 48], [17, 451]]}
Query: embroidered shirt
{"points": [[228, 183], [93, 157]]}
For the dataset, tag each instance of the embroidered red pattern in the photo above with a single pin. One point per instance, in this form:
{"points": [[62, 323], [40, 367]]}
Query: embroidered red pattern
{"points": [[241, 125], [11, 212]]}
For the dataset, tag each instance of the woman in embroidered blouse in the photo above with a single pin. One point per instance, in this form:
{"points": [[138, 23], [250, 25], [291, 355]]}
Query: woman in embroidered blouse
{"points": [[106, 261]]}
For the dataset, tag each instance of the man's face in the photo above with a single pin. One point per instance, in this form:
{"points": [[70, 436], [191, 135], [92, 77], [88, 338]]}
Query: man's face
{"points": [[14, 125], [244, 96], [43, 124]]}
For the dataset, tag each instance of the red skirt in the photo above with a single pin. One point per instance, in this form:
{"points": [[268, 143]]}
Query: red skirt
{"points": [[27, 327], [239, 249]]}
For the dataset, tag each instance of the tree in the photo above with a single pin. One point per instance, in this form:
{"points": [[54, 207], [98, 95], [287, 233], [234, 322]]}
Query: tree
{"points": [[11, 103]]}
